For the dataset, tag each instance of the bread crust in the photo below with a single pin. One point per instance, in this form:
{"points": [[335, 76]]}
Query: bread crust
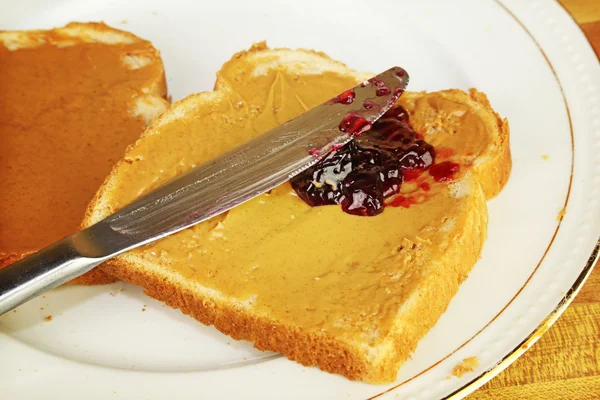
{"points": [[307, 348], [313, 348], [493, 175], [436, 287]]}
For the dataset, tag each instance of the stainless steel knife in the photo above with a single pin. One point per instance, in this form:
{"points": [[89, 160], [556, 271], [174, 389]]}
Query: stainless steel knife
{"points": [[207, 190]]}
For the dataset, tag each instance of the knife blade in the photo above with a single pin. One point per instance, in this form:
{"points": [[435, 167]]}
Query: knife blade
{"points": [[205, 191]]}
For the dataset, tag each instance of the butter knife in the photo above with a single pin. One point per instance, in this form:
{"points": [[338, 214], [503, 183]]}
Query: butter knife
{"points": [[207, 190]]}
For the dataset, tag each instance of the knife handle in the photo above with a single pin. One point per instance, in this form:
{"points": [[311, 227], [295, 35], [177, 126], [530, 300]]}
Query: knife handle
{"points": [[42, 271]]}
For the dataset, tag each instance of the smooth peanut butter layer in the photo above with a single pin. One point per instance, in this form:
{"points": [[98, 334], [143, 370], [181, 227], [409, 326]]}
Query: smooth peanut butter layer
{"points": [[313, 267], [71, 100]]}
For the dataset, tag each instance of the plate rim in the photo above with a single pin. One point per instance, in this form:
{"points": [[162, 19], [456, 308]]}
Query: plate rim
{"points": [[562, 304], [510, 357], [591, 262]]}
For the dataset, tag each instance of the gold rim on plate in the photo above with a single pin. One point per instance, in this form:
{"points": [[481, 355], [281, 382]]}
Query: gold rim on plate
{"points": [[543, 327]]}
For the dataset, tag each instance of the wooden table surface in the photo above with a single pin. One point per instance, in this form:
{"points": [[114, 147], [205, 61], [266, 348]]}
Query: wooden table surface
{"points": [[565, 363]]}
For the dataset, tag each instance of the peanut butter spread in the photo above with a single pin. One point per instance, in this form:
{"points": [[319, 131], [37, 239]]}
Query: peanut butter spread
{"points": [[65, 119], [314, 267], [442, 120]]}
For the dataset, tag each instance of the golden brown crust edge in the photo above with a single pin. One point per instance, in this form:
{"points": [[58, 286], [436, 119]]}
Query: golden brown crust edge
{"points": [[312, 349], [307, 348], [93, 277], [494, 174], [438, 289]]}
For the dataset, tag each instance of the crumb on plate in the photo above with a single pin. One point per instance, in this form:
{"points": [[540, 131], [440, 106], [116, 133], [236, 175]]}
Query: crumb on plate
{"points": [[467, 365]]}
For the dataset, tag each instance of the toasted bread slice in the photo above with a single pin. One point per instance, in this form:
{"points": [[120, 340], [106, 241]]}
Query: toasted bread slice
{"points": [[351, 295], [72, 99]]}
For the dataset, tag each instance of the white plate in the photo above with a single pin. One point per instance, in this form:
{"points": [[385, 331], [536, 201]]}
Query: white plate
{"points": [[538, 70]]}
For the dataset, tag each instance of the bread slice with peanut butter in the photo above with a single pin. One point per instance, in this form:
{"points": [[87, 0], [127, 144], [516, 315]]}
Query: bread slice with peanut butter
{"points": [[349, 294], [71, 100]]}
